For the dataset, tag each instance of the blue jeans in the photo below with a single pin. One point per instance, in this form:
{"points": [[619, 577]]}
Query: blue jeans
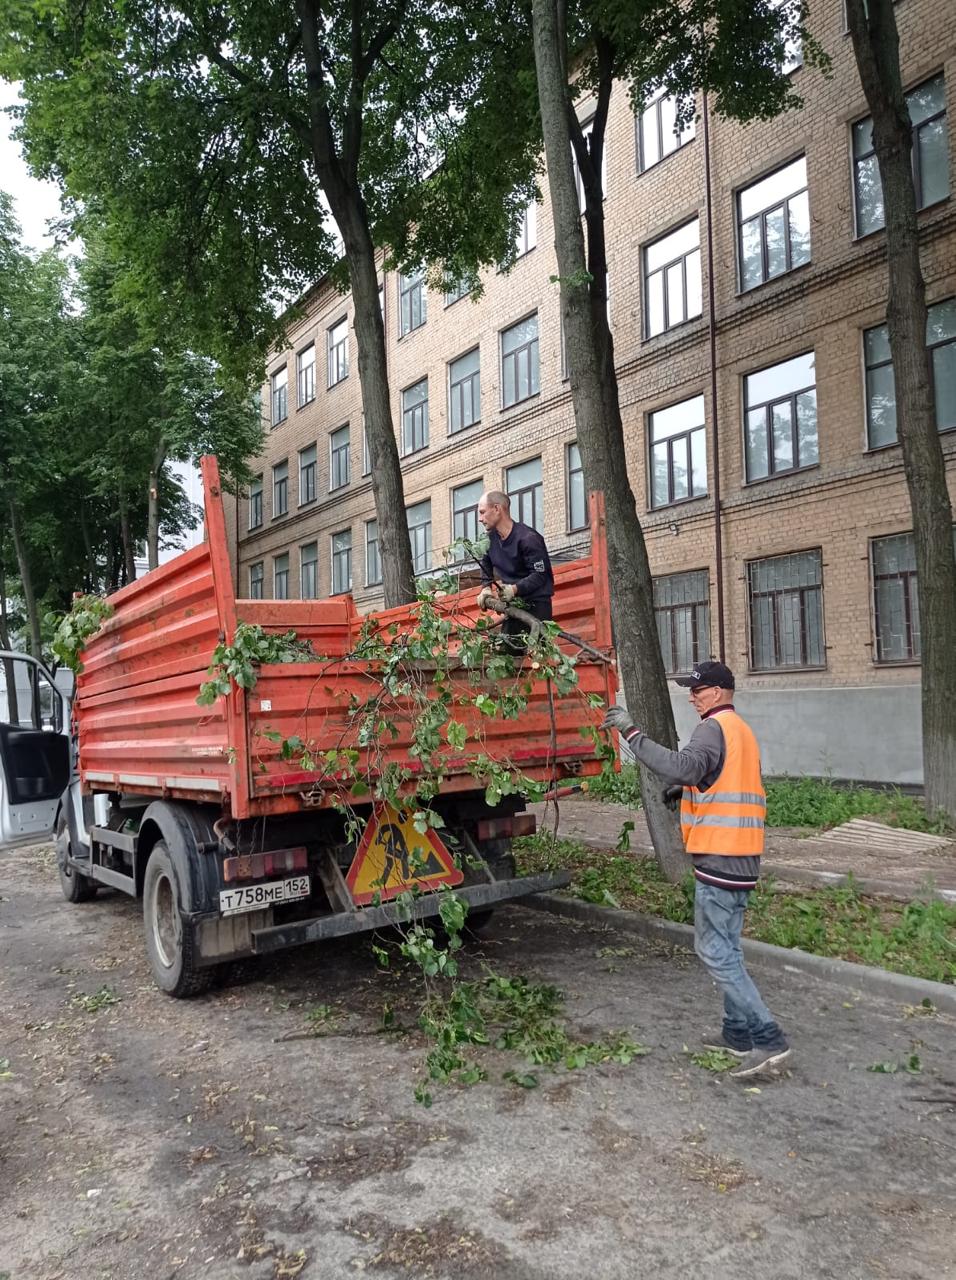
{"points": [[718, 921]]}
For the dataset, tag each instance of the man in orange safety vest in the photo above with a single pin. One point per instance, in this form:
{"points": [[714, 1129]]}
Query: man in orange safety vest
{"points": [[722, 807]]}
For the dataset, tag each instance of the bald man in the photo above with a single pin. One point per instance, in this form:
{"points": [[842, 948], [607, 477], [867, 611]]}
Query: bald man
{"points": [[517, 560]]}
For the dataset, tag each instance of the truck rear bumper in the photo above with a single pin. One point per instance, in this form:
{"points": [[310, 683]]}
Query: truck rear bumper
{"points": [[364, 919]]}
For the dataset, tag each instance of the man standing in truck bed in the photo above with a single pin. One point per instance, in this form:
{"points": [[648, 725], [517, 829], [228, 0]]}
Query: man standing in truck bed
{"points": [[517, 560]]}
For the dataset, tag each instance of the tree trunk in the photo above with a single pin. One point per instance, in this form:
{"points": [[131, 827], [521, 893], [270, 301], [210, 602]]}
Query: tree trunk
{"points": [[876, 46], [600, 433], [26, 581], [129, 551], [152, 517], [9, 667], [337, 172]]}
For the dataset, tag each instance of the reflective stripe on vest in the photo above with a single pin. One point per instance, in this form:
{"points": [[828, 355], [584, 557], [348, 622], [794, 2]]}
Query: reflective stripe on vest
{"points": [[728, 818]]}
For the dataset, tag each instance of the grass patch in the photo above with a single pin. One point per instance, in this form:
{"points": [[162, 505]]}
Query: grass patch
{"points": [[800, 802], [918, 938]]}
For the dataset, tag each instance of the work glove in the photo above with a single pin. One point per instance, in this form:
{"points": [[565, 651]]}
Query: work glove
{"points": [[484, 595], [672, 797], [617, 718], [509, 592]]}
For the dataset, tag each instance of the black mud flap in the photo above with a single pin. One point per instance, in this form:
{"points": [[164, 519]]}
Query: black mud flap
{"points": [[364, 919]]}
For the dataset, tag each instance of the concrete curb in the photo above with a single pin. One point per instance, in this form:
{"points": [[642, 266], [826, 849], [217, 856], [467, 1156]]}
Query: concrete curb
{"points": [[854, 977]]}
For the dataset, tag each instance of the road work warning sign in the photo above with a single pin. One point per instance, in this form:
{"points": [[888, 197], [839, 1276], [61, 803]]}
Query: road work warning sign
{"points": [[393, 856]]}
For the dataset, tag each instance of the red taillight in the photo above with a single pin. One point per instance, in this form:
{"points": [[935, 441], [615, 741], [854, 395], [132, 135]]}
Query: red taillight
{"points": [[519, 824], [253, 866]]}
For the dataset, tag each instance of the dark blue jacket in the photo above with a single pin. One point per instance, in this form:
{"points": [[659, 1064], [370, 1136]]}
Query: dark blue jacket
{"points": [[521, 558]]}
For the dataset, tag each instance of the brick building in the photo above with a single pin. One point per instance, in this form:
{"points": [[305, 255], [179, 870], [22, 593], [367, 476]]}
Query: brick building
{"points": [[790, 422]]}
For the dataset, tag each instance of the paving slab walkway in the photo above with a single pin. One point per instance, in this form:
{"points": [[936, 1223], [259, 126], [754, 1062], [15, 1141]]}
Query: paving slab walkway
{"points": [[791, 854]]}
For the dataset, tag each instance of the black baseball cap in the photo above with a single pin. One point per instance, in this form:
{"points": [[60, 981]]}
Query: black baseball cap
{"points": [[710, 675]]}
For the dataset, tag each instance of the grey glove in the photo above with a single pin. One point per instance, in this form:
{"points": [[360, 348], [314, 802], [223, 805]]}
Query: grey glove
{"points": [[672, 797], [617, 718], [509, 592], [484, 595]]}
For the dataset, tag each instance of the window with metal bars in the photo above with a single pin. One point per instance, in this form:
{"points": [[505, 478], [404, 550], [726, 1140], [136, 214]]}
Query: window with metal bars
{"points": [[896, 621], [339, 463], [309, 571], [780, 417], [338, 344], [785, 596], [520, 375], [672, 282], [525, 487], [464, 391], [415, 418], [773, 225], [305, 361], [682, 611], [678, 453], [341, 561], [307, 469], [930, 157]]}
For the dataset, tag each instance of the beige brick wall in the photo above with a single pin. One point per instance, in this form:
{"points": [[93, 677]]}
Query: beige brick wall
{"points": [[852, 496]]}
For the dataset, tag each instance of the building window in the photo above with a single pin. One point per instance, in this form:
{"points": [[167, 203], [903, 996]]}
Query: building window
{"points": [[464, 392], [306, 366], [678, 453], [881, 428], [255, 503], [338, 339], [658, 133], [280, 577], [577, 498], [341, 562], [527, 236], [280, 489], [896, 598], [415, 418], [460, 289], [373, 564], [927, 108], [587, 130], [280, 395], [464, 517], [682, 611], [366, 458], [773, 225], [309, 571], [420, 534], [525, 488], [520, 376], [792, 48], [672, 292], [786, 611], [340, 471], [411, 303], [780, 408], [256, 579], [307, 459]]}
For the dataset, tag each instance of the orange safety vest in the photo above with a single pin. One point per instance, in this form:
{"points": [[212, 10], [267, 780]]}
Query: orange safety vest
{"points": [[728, 818]]}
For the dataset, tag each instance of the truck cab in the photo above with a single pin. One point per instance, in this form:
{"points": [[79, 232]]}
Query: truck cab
{"points": [[35, 757]]}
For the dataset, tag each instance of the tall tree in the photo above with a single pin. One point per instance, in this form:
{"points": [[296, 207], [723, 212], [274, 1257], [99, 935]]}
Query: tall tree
{"points": [[213, 137], [876, 47], [582, 50]]}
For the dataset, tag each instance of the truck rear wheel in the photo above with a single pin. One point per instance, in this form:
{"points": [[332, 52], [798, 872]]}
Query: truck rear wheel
{"points": [[76, 886], [170, 940]]}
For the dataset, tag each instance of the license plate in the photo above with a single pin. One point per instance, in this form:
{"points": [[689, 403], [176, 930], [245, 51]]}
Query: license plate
{"points": [[253, 896]]}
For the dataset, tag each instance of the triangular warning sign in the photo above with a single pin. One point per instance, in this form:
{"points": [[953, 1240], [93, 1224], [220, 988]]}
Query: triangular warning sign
{"points": [[393, 856]]}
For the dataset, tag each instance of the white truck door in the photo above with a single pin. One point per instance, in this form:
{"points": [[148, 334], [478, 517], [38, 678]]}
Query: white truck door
{"points": [[34, 748]]}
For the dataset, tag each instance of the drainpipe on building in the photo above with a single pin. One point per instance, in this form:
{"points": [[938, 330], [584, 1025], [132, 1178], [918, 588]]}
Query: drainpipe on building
{"points": [[715, 434]]}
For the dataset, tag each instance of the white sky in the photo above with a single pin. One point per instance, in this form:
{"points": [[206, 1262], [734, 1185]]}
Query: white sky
{"points": [[36, 202]]}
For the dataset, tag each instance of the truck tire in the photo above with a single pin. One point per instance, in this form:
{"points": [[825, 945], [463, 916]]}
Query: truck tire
{"points": [[170, 940], [76, 886]]}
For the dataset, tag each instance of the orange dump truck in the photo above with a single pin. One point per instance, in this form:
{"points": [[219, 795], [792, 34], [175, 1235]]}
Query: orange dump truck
{"points": [[237, 851]]}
